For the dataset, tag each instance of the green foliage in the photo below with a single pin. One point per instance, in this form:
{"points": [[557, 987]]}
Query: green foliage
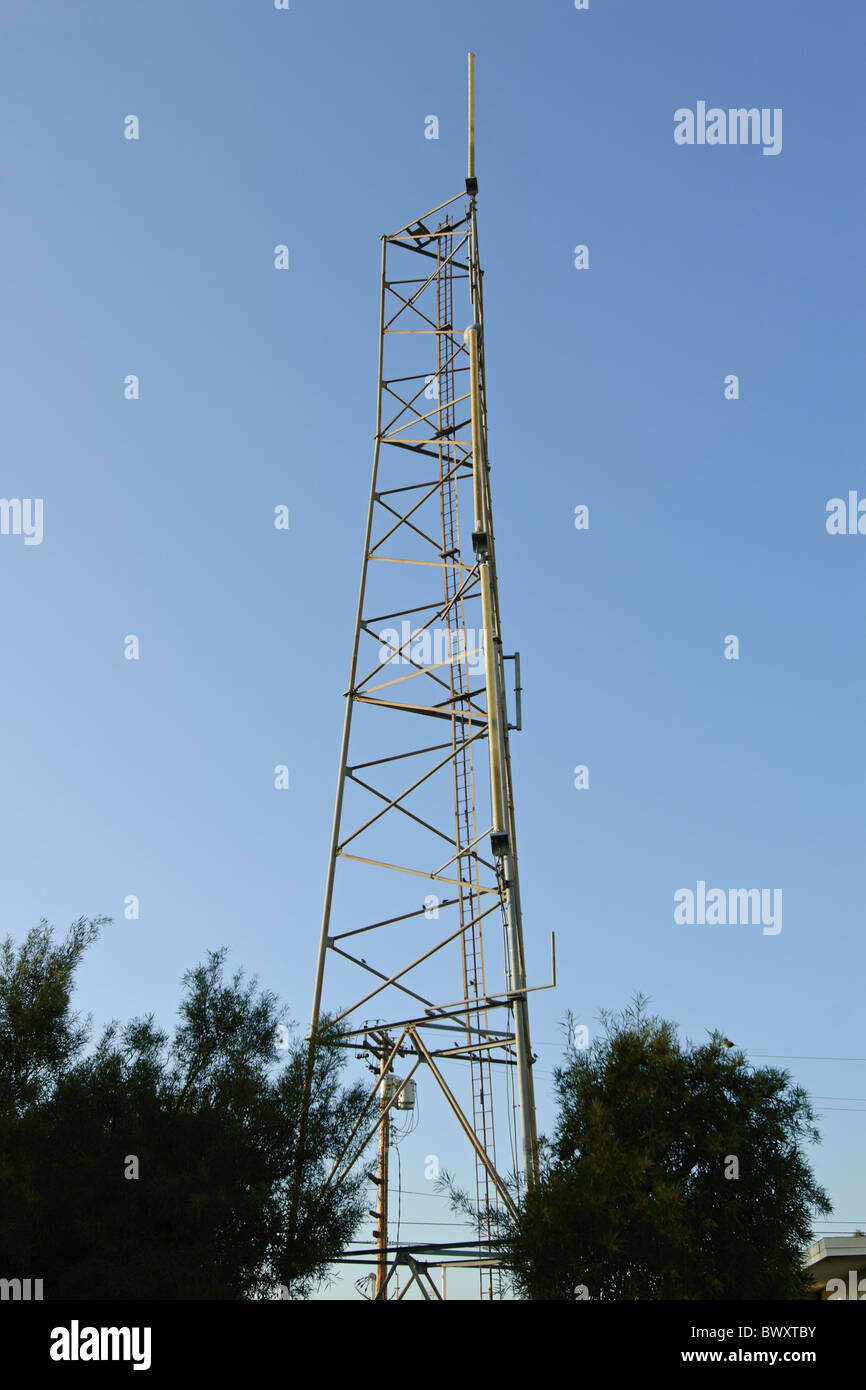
{"points": [[228, 1203], [634, 1201]]}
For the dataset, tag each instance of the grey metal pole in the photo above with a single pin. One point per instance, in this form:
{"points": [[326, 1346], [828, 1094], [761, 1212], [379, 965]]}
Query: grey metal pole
{"points": [[502, 837]]}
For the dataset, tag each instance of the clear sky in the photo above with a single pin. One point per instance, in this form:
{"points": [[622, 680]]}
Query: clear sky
{"points": [[606, 387]]}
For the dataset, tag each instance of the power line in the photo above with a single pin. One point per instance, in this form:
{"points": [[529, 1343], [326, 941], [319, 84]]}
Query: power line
{"points": [[464, 1225], [765, 1056], [792, 1057], [815, 1096], [840, 1110]]}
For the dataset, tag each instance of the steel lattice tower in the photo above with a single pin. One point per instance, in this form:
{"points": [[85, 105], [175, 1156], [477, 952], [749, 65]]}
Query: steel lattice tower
{"points": [[421, 936]]}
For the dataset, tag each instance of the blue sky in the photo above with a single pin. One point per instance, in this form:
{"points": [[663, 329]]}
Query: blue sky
{"points": [[605, 388]]}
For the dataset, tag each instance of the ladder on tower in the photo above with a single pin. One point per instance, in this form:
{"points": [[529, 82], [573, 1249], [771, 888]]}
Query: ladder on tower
{"points": [[468, 645]]}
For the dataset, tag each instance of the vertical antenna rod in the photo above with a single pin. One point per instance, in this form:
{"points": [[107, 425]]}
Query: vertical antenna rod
{"points": [[470, 170], [502, 839]]}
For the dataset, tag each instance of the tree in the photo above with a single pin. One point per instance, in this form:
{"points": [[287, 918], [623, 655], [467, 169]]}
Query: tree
{"points": [[157, 1169], [674, 1172]]}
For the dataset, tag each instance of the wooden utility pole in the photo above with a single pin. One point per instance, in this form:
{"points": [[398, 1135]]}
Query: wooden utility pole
{"points": [[382, 1185]]}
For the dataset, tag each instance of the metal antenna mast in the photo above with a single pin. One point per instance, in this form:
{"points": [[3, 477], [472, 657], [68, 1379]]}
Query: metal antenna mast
{"points": [[421, 933]]}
